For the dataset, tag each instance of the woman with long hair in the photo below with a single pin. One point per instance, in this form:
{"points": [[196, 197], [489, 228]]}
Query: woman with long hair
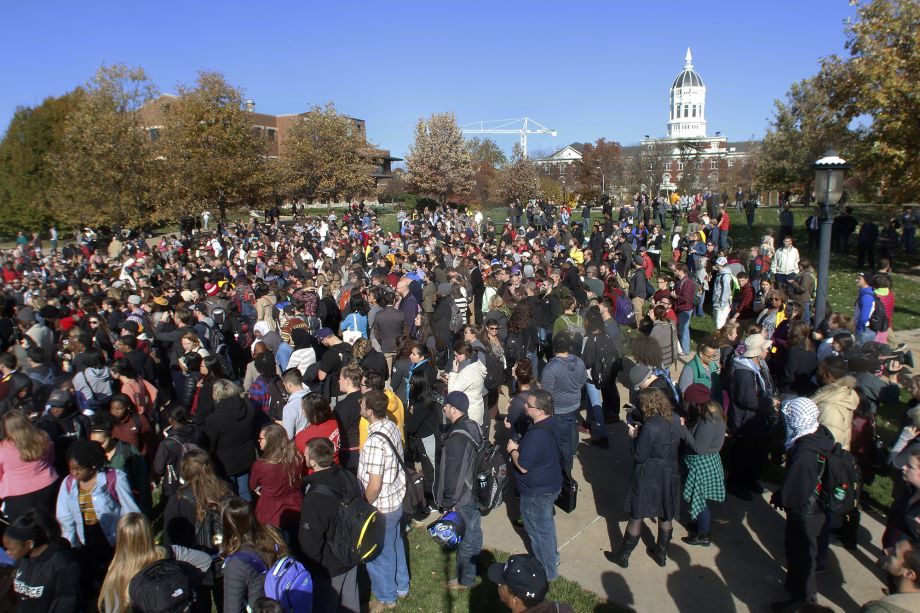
{"points": [[321, 422], [655, 487], [249, 548], [276, 480], [28, 479], [524, 378], [192, 343], [47, 573], [800, 363], [356, 319], [522, 339], [423, 424], [189, 518], [705, 476], [141, 392], [211, 372], [135, 550], [499, 312]]}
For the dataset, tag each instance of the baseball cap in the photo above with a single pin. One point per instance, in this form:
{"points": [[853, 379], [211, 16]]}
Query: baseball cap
{"points": [[721, 261], [322, 333], [60, 398], [134, 299], [458, 400], [523, 574]]}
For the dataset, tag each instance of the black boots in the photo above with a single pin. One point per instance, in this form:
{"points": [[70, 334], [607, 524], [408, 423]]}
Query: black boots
{"points": [[621, 557], [660, 552]]}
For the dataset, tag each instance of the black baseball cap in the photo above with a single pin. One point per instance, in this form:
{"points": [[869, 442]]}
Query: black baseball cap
{"points": [[523, 574]]}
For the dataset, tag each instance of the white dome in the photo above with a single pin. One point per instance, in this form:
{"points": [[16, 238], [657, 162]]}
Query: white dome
{"points": [[687, 102]]}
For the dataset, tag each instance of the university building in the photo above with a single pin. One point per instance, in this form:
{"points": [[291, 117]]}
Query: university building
{"points": [[274, 128]]}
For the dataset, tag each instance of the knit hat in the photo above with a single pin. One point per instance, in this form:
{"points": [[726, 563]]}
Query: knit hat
{"points": [[801, 415], [755, 344], [458, 400], [210, 289], [638, 374], [697, 394]]}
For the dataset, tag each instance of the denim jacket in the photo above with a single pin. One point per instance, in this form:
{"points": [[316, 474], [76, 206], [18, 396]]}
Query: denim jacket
{"points": [[107, 509]]}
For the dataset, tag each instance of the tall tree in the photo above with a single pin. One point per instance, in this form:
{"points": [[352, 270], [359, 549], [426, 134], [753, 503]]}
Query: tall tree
{"points": [[881, 80], [212, 155], [324, 157], [26, 170], [487, 159], [517, 180], [600, 167], [439, 161], [104, 171]]}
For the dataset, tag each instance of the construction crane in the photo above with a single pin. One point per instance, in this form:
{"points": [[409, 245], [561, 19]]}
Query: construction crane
{"points": [[522, 127]]}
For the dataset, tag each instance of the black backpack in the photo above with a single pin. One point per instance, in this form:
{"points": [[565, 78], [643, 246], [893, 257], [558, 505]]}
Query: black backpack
{"points": [[491, 474], [172, 471], [878, 319], [495, 374], [357, 533], [841, 481], [278, 397], [604, 368], [162, 587]]}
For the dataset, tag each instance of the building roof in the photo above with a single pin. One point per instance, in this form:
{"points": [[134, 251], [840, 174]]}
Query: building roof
{"points": [[689, 77]]}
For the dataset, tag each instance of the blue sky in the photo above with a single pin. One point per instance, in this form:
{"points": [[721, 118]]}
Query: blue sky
{"points": [[589, 69]]}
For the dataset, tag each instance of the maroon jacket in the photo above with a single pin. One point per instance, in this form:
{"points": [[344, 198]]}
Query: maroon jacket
{"points": [[686, 292], [744, 302]]}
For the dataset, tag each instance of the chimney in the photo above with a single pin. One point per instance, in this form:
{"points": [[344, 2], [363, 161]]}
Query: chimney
{"points": [[251, 105]]}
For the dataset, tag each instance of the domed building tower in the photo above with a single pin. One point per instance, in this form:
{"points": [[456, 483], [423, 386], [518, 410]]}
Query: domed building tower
{"points": [[687, 103]]}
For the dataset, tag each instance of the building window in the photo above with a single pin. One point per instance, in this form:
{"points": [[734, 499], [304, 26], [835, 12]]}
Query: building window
{"points": [[256, 132], [680, 164], [713, 164], [666, 179], [154, 134], [694, 111], [686, 110], [680, 178], [271, 135], [731, 163], [667, 165]]}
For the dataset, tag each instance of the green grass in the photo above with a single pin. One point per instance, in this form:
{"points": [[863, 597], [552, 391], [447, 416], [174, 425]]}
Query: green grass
{"points": [[432, 567]]}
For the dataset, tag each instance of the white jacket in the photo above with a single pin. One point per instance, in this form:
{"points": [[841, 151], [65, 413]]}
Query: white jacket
{"points": [[785, 261], [471, 380]]}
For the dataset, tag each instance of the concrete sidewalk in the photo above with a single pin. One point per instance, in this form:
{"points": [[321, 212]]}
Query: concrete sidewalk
{"points": [[741, 571]]}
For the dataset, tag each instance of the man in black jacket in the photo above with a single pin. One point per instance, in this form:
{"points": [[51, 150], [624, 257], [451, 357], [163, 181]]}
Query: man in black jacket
{"points": [[335, 585], [453, 488], [805, 441]]}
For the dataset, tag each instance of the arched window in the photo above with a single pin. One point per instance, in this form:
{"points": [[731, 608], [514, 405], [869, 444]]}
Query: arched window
{"points": [[680, 164]]}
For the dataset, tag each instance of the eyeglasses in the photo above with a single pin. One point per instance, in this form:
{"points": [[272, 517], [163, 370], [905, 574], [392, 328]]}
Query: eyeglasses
{"points": [[493, 327], [93, 323]]}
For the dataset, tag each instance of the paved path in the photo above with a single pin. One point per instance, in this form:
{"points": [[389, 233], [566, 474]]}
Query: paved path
{"points": [[741, 571]]}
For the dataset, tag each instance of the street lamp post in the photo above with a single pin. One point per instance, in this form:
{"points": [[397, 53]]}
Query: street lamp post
{"points": [[562, 178], [829, 172], [603, 181]]}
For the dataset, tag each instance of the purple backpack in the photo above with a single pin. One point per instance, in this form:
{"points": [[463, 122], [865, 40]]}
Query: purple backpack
{"points": [[286, 582]]}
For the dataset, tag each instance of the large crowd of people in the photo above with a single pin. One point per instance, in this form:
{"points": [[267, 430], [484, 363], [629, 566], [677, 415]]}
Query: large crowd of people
{"points": [[184, 418]]}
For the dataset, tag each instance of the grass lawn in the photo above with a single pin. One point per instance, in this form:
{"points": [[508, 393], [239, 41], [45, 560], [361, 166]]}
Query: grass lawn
{"points": [[431, 568]]}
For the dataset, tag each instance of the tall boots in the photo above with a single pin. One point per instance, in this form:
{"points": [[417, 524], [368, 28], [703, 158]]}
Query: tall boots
{"points": [[621, 557], [660, 552]]}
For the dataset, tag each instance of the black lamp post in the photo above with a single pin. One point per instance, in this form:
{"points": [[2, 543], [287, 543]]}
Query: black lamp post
{"points": [[829, 172]]}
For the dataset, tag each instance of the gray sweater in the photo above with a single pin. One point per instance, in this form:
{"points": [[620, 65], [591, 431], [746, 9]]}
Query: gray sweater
{"points": [[564, 378], [708, 434]]}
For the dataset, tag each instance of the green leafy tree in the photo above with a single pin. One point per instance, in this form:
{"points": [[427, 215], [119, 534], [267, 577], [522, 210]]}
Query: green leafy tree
{"points": [[517, 180], [210, 154], [26, 171], [104, 171], [323, 157], [439, 161]]}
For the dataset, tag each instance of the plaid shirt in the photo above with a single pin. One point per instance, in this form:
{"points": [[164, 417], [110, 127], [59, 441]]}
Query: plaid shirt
{"points": [[259, 395], [377, 458]]}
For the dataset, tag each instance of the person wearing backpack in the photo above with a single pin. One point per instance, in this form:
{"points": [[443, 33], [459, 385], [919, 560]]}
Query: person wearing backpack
{"points": [[599, 355], [865, 310], [249, 549], [468, 375], [89, 503], [179, 436], [563, 377], [335, 581], [806, 442], [453, 489]]}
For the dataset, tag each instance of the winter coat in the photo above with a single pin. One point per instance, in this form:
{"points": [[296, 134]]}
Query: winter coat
{"points": [[664, 332], [317, 519], [108, 510], [243, 583], [231, 431], [471, 380], [655, 487], [170, 448], [751, 410], [722, 291], [837, 402], [803, 472], [795, 377], [453, 486]]}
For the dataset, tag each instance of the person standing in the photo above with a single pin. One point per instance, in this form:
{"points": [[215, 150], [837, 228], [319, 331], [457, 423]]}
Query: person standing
{"points": [[684, 294], [384, 482], [785, 263], [865, 244], [53, 235], [806, 440], [538, 476], [786, 221], [721, 292], [563, 377], [453, 489]]}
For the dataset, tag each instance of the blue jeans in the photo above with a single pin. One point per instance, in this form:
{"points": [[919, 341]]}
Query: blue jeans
{"points": [[806, 312], [714, 236], [568, 423], [704, 521], [388, 571], [241, 482], [683, 330], [535, 363], [537, 512], [864, 336], [471, 544], [595, 412]]}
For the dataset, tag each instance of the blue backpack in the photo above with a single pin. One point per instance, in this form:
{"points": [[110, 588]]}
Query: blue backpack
{"points": [[624, 313], [286, 582]]}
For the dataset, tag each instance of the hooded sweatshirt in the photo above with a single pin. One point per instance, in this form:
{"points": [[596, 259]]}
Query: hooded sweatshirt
{"points": [[95, 385], [837, 403], [48, 582], [803, 472], [564, 377]]}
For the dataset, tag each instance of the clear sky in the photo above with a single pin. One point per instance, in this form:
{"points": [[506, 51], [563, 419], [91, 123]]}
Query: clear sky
{"points": [[590, 69]]}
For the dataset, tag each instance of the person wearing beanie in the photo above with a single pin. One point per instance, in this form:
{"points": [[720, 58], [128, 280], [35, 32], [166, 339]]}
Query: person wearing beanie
{"points": [[806, 439], [453, 487], [705, 476]]}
